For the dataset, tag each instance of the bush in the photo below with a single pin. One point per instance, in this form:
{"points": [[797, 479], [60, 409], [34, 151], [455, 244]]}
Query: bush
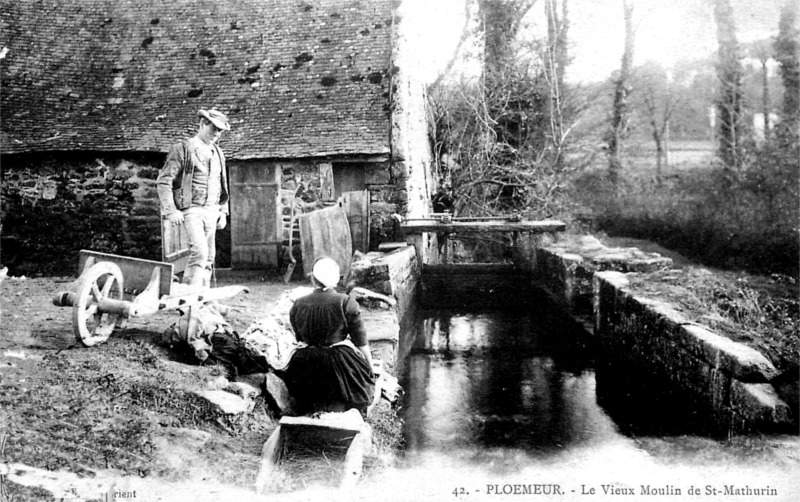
{"points": [[744, 220]]}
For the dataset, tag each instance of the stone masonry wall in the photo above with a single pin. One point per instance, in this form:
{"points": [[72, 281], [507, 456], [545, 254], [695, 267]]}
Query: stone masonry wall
{"points": [[395, 274], [648, 340], [726, 380], [53, 205], [565, 267]]}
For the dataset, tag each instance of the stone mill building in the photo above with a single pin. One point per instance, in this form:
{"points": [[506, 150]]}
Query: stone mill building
{"points": [[95, 91]]}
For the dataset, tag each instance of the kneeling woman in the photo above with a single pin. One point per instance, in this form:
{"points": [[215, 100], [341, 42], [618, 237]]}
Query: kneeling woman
{"points": [[334, 371]]}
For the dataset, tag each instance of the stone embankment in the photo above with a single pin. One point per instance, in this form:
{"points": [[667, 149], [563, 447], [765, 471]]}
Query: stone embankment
{"points": [[726, 382]]}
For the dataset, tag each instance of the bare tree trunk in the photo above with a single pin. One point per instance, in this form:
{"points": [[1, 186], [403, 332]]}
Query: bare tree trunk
{"points": [[787, 48], [620, 112], [659, 157], [729, 105], [765, 105], [555, 65]]}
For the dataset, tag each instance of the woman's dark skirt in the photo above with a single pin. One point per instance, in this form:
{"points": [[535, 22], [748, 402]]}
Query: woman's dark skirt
{"points": [[333, 378]]}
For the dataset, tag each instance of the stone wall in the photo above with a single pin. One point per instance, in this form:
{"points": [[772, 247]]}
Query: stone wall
{"points": [[396, 274], [646, 345], [410, 124], [723, 380], [54, 205], [565, 267]]}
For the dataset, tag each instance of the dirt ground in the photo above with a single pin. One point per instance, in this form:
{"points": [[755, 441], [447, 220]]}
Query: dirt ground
{"points": [[122, 411]]}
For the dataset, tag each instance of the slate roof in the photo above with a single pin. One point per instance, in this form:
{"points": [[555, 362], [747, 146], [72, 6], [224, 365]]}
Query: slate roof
{"points": [[296, 77]]}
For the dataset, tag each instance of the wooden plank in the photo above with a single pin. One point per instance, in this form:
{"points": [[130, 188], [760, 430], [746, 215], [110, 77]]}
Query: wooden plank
{"points": [[270, 456], [354, 462], [347, 422], [419, 226], [136, 272], [326, 232], [255, 218], [174, 245], [337, 428]]}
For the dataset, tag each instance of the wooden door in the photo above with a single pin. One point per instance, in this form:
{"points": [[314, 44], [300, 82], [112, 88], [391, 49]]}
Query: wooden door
{"points": [[255, 216], [356, 208]]}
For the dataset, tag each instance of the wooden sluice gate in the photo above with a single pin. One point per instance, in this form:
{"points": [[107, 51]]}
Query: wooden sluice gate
{"points": [[444, 223], [431, 235]]}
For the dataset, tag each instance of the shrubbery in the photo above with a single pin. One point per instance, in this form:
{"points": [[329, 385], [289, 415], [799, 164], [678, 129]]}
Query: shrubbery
{"points": [[744, 220]]}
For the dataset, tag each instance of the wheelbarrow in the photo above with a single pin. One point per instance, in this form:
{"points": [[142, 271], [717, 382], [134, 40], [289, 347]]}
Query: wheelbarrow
{"points": [[113, 288]]}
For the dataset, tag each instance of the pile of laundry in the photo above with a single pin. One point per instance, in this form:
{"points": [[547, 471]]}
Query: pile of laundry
{"points": [[203, 335]]}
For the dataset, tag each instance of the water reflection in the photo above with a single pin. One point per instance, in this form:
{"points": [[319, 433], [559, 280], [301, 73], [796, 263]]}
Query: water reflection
{"points": [[480, 382], [511, 397]]}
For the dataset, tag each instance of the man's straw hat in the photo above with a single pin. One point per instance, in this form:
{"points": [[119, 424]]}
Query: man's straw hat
{"points": [[216, 117]]}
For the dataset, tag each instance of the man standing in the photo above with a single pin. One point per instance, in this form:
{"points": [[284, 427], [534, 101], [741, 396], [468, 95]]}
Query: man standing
{"points": [[193, 190]]}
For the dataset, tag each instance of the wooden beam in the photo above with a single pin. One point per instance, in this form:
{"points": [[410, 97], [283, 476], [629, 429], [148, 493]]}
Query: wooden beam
{"points": [[471, 269], [431, 225]]}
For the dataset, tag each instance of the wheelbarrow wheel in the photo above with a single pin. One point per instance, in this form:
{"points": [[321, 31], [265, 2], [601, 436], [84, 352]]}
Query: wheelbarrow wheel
{"points": [[101, 281]]}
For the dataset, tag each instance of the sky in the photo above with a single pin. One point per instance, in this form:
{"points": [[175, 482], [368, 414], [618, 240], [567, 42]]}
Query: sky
{"points": [[666, 31]]}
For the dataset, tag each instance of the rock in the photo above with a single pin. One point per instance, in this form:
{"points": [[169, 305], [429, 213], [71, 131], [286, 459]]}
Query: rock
{"points": [[276, 388], [787, 385], [226, 402], [257, 380], [243, 390], [216, 383], [759, 403]]}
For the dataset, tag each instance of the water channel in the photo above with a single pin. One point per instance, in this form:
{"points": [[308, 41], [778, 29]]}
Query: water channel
{"points": [[503, 403]]}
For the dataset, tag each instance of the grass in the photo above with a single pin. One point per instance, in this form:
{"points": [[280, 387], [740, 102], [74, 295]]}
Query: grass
{"points": [[761, 312]]}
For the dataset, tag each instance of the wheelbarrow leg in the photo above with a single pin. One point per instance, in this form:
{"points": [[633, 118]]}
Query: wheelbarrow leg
{"points": [[147, 302]]}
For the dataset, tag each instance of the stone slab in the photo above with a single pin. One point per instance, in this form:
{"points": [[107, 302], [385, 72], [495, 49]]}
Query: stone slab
{"points": [[739, 360], [758, 402]]}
